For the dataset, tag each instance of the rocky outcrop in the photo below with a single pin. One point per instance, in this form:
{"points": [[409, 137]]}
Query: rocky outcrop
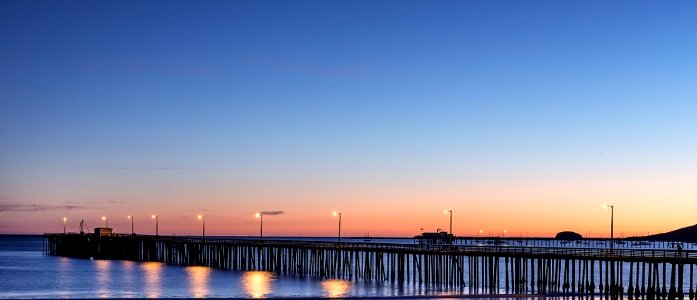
{"points": [[568, 236], [686, 234]]}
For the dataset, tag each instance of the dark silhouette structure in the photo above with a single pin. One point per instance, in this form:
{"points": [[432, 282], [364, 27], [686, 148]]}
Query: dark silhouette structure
{"points": [[685, 235], [568, 236], [434, 238], [482, 269]]}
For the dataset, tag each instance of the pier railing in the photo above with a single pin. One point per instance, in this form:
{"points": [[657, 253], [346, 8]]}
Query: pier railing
{"points": [[600, 253]]}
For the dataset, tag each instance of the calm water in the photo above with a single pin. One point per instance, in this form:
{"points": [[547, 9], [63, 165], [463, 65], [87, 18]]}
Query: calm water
{"points": [[26, 273]]}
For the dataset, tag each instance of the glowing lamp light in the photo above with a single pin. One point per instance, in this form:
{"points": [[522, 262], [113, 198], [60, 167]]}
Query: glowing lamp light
{"points": [[203, 231], [157, 225], [336, 213], [131, 218]]}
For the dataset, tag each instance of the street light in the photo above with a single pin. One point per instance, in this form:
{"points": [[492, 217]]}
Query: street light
{"points": [[157, 225], [450, 211], [612, 245], [203, 232], [336, 213], [106, 222], [612, 226], [65, 220], [261, 224], [504, 233], [131, 218]]}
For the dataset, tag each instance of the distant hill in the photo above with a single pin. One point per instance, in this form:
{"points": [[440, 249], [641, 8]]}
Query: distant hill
{"points": [[568, 235], [686, 234]]}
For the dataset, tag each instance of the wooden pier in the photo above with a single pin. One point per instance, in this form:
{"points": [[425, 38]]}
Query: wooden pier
{"points": [[639, 273]]}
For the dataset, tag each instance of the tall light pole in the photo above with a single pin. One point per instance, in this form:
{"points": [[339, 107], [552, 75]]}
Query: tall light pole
{"points": [[612, 226], [336, 213], [65, 220], [131, 218], [157, 225], [450, 211], [203, 231], [261, 225], [106, 222], [612, 246]]}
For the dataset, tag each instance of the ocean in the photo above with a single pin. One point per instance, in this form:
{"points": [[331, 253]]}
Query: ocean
{"points": [[27, 273]]}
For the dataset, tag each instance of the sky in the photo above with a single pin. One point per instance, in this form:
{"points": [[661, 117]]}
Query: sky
{"points": [[523, 117]]}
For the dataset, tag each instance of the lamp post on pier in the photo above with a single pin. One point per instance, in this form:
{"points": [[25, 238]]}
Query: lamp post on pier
{"points": [[450, 211], [106, 222], [131, 218], [157, 225], [203, 231], [336, 213], [613, 285], [65, 220], [612, 226], [261, 224]]}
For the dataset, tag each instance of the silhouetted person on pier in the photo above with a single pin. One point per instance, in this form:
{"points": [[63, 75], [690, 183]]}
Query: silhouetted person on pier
{"points": [[679, 250]]}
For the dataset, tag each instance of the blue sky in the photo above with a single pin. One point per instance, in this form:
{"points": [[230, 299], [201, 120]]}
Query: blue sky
{"points": [[105, 96]]}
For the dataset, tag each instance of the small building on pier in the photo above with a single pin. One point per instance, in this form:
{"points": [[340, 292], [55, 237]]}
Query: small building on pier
{"points": [[103, 231], [434, 238]]}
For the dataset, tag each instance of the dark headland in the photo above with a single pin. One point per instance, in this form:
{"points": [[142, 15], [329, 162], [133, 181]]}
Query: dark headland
{"points": [[686, 234]]}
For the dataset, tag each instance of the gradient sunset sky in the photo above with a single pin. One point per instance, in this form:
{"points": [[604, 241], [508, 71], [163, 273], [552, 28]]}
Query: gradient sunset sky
{"points": [[524, 116]]}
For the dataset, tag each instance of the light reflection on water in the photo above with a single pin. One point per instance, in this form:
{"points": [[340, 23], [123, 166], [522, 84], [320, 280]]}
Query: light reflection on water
{"points": [[153, 279], [103, 278], [198, 280], [335, 288], [64, 276], [257, 284], [126, 278]]}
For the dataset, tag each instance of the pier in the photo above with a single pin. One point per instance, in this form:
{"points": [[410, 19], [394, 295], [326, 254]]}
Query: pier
{"points": [[638, 273]]}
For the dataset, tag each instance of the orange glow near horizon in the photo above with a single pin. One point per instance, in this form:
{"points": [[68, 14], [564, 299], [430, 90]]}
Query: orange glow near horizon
{"points": [[524, 210], [485, 222]]}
